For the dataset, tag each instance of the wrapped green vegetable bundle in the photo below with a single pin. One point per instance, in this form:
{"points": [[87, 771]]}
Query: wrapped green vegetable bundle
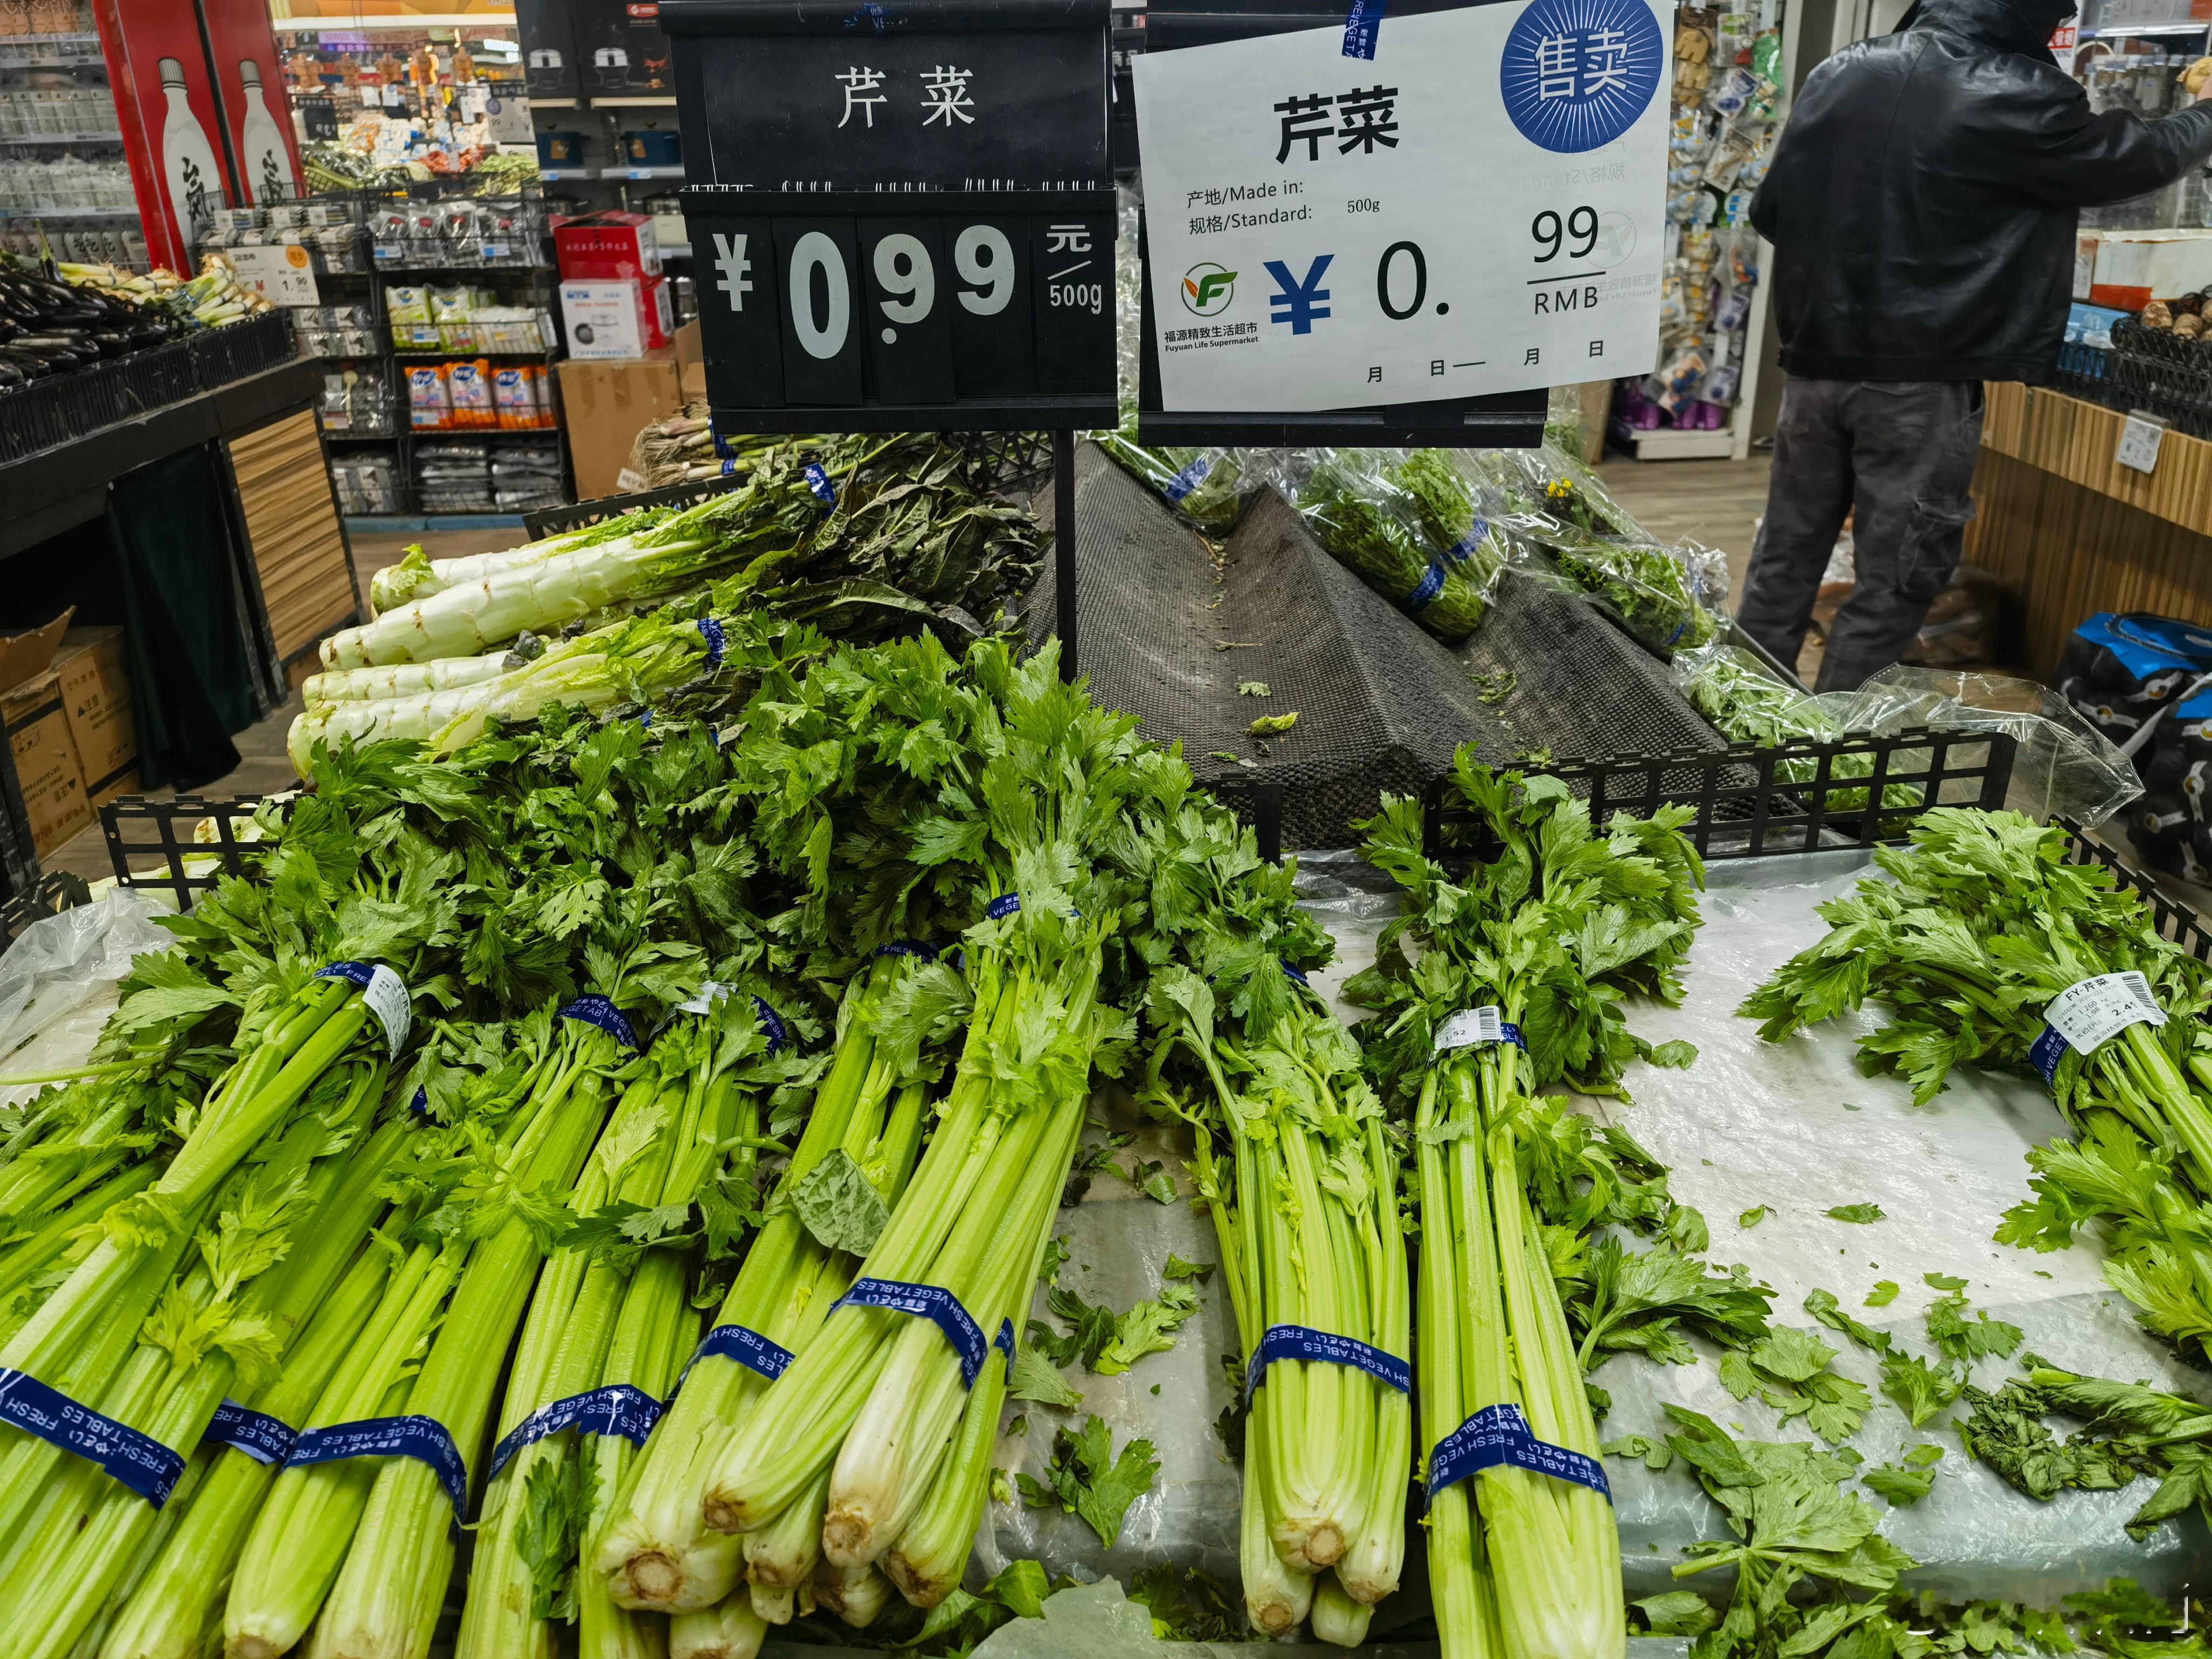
{"points": [[1204, 486], [1521, 973], [1410, 530]]}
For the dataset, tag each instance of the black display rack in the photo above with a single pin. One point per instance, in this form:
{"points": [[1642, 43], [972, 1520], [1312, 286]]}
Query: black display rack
{"points": [[137, 827], [1754, 802]]}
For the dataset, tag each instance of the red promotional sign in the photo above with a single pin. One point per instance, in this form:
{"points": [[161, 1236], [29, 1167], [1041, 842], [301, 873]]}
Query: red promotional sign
{"points": [[250, 78], [171, 130]]}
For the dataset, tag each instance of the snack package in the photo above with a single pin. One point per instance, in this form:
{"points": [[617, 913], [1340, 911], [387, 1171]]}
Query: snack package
{"points": [[429, 398], [469, 387], [515, 401]]}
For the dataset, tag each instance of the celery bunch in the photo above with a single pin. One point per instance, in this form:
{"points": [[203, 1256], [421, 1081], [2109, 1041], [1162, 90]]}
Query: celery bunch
{"points": [[1547, 938]]}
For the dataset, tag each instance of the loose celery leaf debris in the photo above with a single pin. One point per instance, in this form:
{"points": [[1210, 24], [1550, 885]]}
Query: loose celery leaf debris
{"points": [[1860, 1214], [839, 1204], [1883, 1293], [1035, 1377], [1086, 1478], [1907, 1481], [1148, 1327]]}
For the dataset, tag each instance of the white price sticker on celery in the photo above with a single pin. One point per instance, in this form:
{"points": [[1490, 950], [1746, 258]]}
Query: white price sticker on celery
{"points": [[1470, 1028], [2092, 1013], [386, 994], [710, 993]]}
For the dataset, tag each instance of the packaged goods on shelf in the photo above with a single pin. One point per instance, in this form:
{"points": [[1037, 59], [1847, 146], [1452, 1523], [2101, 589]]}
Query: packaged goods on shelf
{"points": [[357, 403], [461, 317], [459, 235], [452, 477], [526, 474], [341, 331], [366, 483]]}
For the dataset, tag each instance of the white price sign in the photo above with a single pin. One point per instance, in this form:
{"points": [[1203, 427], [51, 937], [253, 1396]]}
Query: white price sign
{"points": [[2141, 437], [281, 274], [1476, 205]]}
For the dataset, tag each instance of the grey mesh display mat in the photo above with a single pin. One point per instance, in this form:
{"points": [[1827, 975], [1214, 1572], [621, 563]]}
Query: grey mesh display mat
{"points": [[1380, 704], [1566, 679]]}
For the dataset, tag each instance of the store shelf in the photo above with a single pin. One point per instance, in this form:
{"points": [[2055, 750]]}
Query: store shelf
{"points": [[44, 496], [653, 101], [1665, 443], [111, 136], [565, 175], [640, 172], [107, 215], [676, 250], [357, 24], [555, 103], [415, 524], [461, 354]]}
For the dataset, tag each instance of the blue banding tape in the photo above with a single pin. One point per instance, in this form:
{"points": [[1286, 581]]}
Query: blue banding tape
{"points": [[421, 1104], [1003, 906], [617, 1408], [711, 631], [1302, 1342], [357, 973], [1432, 583], [138, 1461], [749, 1348], [721, 444], [1294, 975], [1513, 1035], [1004, 1341], [818, 482], [1499, 1435], [1463, 549], [264, 1438], [2049, 1048], [1188, 480], [771, 1024], [1361, 25], [936, 1304], [595, 1009], [906, 947], [425, 1439]]}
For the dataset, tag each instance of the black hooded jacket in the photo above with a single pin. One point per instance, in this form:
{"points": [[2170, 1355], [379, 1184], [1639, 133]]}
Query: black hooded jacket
{"points": [[1924, 197]]}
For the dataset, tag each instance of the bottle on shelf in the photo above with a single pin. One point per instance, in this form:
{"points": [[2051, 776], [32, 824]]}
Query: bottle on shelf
{"points": [[188, 161], [267, 163]]}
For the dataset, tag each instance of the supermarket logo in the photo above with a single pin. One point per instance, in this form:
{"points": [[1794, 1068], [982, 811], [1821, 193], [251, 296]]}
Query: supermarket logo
{"points": [[1208, 289]]}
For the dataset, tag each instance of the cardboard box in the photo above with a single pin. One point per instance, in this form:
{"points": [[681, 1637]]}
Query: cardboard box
{"points": [[28, 655], [616, 319], [607, 247], [95, 685], [606, 403], [46, 768], [691, 362], [2129, 269]]}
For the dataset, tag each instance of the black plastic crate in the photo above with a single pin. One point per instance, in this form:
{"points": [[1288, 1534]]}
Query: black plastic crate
{"points": [[1753, 803], [62, 407], [2162, 374], [2177, 922], [240, 349], [560, 520], [137, 828], [2086, 372]]}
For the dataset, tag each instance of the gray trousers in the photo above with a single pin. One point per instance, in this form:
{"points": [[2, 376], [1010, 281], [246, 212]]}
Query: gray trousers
{"points": [[1899, 453]]}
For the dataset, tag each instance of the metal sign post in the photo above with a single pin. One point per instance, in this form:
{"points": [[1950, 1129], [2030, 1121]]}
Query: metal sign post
{"points": [[904, 220]]}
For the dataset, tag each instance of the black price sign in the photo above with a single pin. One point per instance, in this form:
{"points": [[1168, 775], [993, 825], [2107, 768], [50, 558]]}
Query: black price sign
{"points": [[902, 214], [885, 310]]}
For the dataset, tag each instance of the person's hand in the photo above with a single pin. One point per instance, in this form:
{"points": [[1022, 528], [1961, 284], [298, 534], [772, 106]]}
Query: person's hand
{"points": [[2194, 77]]}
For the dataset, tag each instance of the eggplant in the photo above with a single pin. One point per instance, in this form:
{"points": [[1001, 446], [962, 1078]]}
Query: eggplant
{"points": [[11, 377]]}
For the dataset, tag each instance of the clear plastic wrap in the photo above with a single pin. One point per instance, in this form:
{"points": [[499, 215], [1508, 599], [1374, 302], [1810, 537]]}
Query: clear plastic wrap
{"points": [[2063, 766], [1207, 487], [1411, 529], [58, 982]]}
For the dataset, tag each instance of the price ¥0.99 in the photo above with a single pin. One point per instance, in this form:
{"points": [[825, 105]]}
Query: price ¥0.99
{"points": [[822, 313]]}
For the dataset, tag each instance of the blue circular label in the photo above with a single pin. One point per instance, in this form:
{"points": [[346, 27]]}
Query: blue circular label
{"points": [[1577, 73]]}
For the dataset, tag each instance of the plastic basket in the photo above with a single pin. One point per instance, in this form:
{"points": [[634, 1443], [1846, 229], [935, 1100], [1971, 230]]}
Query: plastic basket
{"points": [[138, 828], [1749, 804], [2086, 372], [2177, 923], [2163, 374]]}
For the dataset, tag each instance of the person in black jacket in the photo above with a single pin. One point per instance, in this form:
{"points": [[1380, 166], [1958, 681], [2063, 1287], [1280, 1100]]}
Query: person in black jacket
{"points": [[1922, 203]]}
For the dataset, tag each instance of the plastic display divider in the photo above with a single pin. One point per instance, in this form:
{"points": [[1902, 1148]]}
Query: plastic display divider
{"points": [[1774, 812], [135, 827]]}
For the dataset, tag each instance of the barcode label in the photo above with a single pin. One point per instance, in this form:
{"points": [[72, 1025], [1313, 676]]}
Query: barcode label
{"points": [[1471, 1027], [2093, 1012]]}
